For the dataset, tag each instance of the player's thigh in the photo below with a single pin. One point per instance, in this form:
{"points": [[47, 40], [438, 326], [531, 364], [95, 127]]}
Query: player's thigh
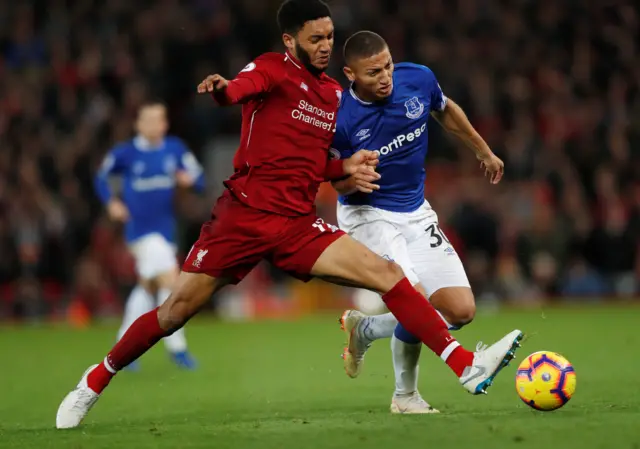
{"points": [[191, 292], [309, 247], [348, 262]]}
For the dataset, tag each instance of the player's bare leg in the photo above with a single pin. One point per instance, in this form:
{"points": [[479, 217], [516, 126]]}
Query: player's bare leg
{"points": [[191, 293], [456, 304], [175, 343], [348, 262]]}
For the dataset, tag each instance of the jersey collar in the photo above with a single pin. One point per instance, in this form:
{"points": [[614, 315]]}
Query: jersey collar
{"points": [[289, 57], [143, 144], [358, 99]]}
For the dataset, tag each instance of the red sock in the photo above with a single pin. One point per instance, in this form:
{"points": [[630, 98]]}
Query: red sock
{"points": [[418, 316], [139, 338]]}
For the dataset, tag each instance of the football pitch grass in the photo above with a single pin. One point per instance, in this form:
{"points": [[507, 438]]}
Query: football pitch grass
{"points": [[281, 385]]}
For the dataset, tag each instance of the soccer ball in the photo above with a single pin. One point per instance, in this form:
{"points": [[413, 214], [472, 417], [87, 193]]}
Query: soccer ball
{"points": [[368, 302], [545, 381]]}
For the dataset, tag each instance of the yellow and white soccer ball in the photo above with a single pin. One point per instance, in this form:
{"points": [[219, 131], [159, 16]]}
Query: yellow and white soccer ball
{"points": [[545, 381]]}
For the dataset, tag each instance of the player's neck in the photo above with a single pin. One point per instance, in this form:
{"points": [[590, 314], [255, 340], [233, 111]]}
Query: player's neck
{"points": [[144, 143]]}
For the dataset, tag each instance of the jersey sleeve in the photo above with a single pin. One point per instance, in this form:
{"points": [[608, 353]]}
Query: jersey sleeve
{"points": [[258, 77], [113, 164], [437, 98], [187, 162], [340, 149]]}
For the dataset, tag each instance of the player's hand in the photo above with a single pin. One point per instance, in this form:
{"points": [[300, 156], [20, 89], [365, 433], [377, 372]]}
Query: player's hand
{"points": [[184, 179], [212, 83], [493, 167], [118, 211], [361, 166]]}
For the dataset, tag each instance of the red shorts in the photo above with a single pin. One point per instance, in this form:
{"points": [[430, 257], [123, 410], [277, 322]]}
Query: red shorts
{"points": [[238, 237]]}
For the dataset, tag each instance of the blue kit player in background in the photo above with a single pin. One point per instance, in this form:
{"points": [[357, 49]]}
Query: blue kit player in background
{"points": [[387, 109], [150, 166]]}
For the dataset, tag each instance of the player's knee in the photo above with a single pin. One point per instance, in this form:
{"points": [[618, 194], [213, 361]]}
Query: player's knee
{"points": [[456, 304], [389, 274], [462, 313]]}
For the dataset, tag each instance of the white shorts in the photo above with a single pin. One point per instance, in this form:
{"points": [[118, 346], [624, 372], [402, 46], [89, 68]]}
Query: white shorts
{"points": [[413, 240], [154, 256]]}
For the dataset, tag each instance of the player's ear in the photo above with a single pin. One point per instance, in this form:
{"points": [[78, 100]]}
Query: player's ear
{"points": [[289, 42], [349, 73]]}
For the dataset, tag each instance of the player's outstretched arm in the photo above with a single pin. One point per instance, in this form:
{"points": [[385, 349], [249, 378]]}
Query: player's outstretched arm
{"points": [[454, 120], [256, 78]]}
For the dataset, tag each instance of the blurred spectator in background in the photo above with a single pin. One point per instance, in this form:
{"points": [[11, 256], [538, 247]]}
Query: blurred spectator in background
{"points": [[554, 87]]}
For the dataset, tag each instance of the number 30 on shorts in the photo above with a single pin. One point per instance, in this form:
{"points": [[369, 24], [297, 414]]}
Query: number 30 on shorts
{"points": [[321, 226], [436, 233]]}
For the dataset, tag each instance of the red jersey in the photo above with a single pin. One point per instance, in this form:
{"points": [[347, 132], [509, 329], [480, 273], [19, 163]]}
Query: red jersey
{"points": [[288, 124]]}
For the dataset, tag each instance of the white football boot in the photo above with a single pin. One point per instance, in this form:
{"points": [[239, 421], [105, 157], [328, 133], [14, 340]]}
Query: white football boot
{"points": [[76, 405], [488, 361], [357, 344], [411, 404]]}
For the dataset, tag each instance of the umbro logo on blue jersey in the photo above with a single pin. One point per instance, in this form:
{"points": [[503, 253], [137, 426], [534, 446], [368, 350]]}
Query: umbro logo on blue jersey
{"points": [[363, 134]]}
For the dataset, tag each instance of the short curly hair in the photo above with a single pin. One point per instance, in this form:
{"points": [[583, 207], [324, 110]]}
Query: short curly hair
{"points": [[293, 14]]}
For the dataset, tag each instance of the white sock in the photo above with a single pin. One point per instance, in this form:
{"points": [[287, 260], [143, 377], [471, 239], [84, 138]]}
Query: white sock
{"points": [[382, 326], [378, 326], [405, 365], [138, 303], [176, 342]]}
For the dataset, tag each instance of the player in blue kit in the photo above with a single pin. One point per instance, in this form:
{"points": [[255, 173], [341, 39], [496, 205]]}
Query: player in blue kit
{"points": [[151, 166], [387, 109]]}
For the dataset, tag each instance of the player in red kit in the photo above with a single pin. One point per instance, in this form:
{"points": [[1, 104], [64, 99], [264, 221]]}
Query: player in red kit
{"points": [[289, 111]]}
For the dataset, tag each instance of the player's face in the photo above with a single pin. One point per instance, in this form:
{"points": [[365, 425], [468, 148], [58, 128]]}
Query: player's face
{"points": [[313, 44], [373, 76], [152, 122]]}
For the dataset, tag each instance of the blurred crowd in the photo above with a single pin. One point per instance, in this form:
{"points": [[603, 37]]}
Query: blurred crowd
{"points": [[552, 86]]}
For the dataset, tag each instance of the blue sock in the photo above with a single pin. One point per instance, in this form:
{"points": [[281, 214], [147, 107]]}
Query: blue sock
{"points": [[403, 335]]}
